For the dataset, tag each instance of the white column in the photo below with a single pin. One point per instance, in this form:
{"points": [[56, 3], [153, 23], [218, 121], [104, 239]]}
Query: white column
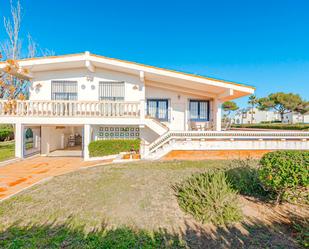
{"points": [[142, 99], [142, 111], [87, 140], [19, 140], [217, 114], [144, 150]]}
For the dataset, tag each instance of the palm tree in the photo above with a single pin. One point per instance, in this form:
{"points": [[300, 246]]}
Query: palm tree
{"points": [[253, 100]]}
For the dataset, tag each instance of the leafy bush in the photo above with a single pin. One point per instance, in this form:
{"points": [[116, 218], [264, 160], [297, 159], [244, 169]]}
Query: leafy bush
{"points": [[283, 171], [243, 176], [6, 134], [209, 198], [112, 147], [276, 126]]}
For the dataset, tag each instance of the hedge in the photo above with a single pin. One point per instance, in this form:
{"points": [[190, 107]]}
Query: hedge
{"points": [[112, 147], [284, 171], [6, 134], [276, 126]]}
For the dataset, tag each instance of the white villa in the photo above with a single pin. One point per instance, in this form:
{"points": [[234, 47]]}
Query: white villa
{"points": [[296, 118], [245, 117], [75, 99], [256, 116]]}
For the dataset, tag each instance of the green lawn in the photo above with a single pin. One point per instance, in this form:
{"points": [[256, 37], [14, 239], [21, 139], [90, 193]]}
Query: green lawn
{"points": [[131, 206], [7, 150]]}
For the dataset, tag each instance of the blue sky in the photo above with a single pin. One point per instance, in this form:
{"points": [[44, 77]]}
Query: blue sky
{"points": [[264, 43]]}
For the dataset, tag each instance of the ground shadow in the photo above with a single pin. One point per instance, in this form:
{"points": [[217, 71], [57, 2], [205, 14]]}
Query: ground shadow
{"points": [[65, 236], [246, 181], [249, 234]]}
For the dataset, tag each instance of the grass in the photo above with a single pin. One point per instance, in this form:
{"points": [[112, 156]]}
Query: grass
{"points": [[64, 237], [301, 228], [133, 203], [7, 150]]}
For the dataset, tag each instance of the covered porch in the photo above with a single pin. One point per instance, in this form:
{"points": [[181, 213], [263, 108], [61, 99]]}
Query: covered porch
{"points": [[48, 140]]}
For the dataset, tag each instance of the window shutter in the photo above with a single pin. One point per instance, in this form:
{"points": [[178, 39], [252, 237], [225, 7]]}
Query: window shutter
{"points": [[64, 90], [111, 90]]}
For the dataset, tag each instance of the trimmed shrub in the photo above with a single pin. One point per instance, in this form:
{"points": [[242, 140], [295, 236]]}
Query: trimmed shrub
{"points": [[6, 134], [284, 171], [276, 126], [209, 198], [112, 147]]}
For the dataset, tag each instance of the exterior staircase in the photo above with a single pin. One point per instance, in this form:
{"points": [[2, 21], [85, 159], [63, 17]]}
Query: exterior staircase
{"points": [[156, 126]]}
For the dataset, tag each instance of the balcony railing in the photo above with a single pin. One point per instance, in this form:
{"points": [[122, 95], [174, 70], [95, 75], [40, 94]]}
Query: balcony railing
{"points": [[56, 108]]}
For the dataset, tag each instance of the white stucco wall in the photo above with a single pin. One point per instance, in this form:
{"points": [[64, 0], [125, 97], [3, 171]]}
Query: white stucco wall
{"points": [[82, 76], [54, 139], [295, 118], [178, 106], [135, 90]]}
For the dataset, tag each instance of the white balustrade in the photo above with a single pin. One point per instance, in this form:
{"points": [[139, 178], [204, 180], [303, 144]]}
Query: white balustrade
{"points": [[261, 138], [33, 108]]}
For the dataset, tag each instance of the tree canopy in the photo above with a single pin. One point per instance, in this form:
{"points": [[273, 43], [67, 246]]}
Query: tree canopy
{"points": [[252, 101], [229, 106], [13, 84], [283, 103]]}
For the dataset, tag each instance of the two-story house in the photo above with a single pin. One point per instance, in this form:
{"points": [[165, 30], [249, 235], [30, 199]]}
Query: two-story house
{"points": [[77, 98], [255, 116]]}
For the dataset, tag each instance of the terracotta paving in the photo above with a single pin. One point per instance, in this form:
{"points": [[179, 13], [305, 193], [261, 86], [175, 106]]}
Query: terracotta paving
{"points": [[19, 175]]}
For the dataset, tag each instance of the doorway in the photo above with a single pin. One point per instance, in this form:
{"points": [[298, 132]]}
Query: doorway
{"points": [[62, 141], [32, 141]]}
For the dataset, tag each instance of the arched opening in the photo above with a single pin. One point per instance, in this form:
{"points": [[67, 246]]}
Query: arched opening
{"points": [[32, 141]]}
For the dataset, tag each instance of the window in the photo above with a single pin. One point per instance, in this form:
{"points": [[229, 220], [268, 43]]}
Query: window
{"points": [[199, 110], [158, 108], [64, 90], [111, 90]]}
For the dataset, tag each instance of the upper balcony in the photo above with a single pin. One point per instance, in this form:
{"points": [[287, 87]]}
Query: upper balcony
{"points": [[76, 109]]}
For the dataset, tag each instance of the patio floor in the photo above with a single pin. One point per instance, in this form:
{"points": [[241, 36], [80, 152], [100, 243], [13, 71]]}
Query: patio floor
{"points": [[17, 176]]}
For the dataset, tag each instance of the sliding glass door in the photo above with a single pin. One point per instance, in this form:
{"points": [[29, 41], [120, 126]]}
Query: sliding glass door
{"points": [[158, 108]]}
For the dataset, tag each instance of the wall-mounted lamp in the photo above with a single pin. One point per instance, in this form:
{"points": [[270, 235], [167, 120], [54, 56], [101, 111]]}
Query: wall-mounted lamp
{"points": [[37, 87], [135, 87], [178, 96], [89, 78]]}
